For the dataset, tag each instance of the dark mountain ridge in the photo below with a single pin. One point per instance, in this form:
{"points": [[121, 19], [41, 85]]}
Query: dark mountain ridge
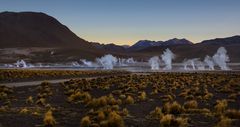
{"points": [[20, 31], [35, 29]]}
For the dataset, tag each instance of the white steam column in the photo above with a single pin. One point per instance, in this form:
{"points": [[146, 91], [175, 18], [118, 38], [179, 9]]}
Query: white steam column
{"points": [[21, 64], [154, 62], [167, 58], [221, 57], [86, 63], [209, 61], [107, 61]]}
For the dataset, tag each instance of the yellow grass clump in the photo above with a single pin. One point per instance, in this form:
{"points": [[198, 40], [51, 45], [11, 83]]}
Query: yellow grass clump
{"points": [[85, 122], [49, 120]]}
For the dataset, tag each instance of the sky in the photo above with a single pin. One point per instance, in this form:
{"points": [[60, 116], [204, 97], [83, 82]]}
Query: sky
{"points": [[124, 22]]}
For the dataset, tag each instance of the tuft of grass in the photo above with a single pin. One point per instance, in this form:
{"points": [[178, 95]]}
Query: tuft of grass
{"points": [[49, 120], [193, 104], [29, 100], [156, 113], [102, 101], [122, 96], [207, 96], [101, 115], [129, 100], [172, 108], [24, 111], [115, 120], [224, 122], [112, 100], [125, 112], [41, 101], [143, 96], [166, 120], [181, 122], [169, 120], [85, 122], [221, 106]]}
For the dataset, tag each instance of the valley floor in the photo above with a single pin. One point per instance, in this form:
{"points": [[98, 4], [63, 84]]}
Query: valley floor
{"points": [[128, 99]]}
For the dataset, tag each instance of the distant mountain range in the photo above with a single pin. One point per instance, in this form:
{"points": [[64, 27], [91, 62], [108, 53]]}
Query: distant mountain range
{"points": [[38, 37], [223, 41], [142, 44]]}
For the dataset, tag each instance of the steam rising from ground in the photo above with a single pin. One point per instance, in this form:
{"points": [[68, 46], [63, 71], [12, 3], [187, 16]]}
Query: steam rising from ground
{"points": [[154, 62], [21, 63], [125, 62], [167, 58], [221, 57], [209, 61], [86, 63], [191, 63], [107, 61]]}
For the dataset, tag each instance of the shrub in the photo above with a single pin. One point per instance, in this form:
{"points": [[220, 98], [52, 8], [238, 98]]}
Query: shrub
{"points": [[122, 96], [29, 100], [85, 122], [191, 104], [49, 119], [24, 111], [143, 96], [86, 97], [169, 120], [115, 107], [224, 122], [208, 96], [167, 98], [166, 120], [176, 108], [125, 112], [115, 120], [221, 106], [166, 108], [119, 101], [3, 95], [155, 91], [102, 101], [111, 100], [181, 122], [74, 96], [101, 115], [172, 108], [41, 101], [129, 100], [156, 113]]}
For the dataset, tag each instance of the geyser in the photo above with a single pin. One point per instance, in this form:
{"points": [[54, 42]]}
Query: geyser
{"points": [[75, 64], [21, 64], [125, 62], [221, 57], [86, 63], [209, 61], [167, 58], [107, 61], [190, 62], [154, 62]]}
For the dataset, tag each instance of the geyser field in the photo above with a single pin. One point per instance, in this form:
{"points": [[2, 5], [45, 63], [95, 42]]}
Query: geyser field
{"points": [[118, 92]]}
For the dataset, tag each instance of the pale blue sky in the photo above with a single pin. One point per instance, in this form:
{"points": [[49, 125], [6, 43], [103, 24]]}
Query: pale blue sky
{"points": [[127, 21]]}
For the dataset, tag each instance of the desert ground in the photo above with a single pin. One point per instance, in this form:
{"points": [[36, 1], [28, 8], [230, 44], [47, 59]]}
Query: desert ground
{"points": [[72, 98]]}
